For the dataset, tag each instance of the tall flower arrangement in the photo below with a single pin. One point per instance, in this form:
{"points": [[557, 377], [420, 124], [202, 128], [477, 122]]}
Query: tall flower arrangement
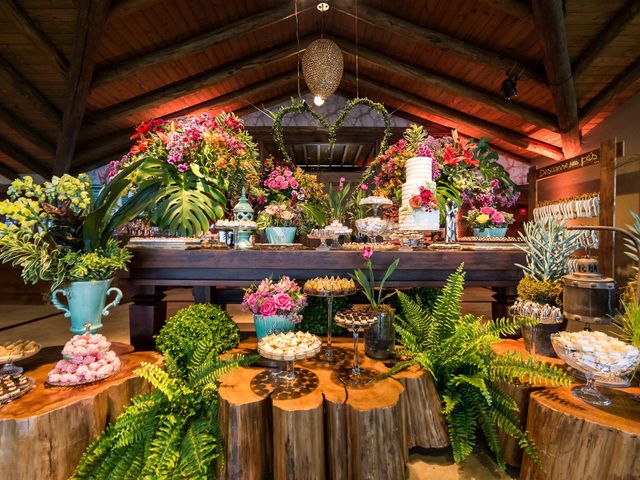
{"points": [[202, 161]]}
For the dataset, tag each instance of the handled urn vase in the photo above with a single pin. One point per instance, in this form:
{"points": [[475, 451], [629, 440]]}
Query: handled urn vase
{"points": [[86, 303]]}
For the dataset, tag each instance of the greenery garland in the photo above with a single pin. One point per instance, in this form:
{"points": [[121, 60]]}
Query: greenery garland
{"points": [[301, 106]]}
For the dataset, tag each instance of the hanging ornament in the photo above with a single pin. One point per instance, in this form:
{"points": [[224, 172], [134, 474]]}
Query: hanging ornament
{"points": [[322, 67]]}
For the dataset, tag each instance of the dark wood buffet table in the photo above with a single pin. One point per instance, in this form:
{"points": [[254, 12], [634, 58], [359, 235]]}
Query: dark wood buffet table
{"points": [[152, 271]]}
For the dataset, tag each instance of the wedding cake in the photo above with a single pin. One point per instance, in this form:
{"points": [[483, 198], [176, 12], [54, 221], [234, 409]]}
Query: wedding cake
{"points": [[416, 215]]}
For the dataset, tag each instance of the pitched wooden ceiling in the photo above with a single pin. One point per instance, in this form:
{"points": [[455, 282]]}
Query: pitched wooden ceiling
{"points": [[76, 76]]}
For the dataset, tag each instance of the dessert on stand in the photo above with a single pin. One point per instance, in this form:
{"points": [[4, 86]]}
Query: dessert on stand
{"points": [[357, 321], [322, 234], [289, 347], [374, 225], [17, 350], [339, 229], [329, 288]]}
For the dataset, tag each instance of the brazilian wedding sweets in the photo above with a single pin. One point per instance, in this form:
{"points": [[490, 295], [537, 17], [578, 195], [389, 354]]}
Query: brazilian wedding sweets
{"points": [[598, 351], [354, 318], [329, 286], [18, 349], [289, 346]]}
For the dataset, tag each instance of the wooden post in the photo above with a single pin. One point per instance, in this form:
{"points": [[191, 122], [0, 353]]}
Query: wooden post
{"points": [[147, 315], [607, 206], [532, 193]]}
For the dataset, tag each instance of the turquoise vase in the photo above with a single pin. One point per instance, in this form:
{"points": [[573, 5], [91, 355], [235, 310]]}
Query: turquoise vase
{"points": [[280, 234], [490, 232], [86, 303], [266, 325]]}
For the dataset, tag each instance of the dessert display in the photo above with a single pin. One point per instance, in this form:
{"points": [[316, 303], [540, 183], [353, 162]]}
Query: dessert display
{"points": [[86, 359], [419, 178], [376, 201], [322, 234], [372, 226], [598, 356], [239, 224], [378, 247], [289, 346], [17, 350], [338, 228], [169, 243], [329, 286], [14, 386], [355, 318]]}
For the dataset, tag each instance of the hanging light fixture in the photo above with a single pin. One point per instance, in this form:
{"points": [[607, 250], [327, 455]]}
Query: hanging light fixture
{"points": [[509, 88]]}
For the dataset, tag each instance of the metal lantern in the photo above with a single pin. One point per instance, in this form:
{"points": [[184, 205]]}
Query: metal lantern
{"points": [[243, 212], [322, 66], [588, 297]]}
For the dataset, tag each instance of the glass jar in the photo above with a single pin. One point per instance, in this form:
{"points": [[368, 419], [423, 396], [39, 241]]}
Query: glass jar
{"points": [[380, 339]]}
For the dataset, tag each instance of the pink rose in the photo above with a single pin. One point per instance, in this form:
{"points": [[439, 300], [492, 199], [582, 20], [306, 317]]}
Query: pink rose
{"points": [[497, 217], [487, 210], [293, 183], [268, 308], [367, 252], [283, 302]]}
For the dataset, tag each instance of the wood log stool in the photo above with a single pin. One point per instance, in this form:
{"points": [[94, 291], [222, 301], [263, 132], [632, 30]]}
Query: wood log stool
{"points": [[577, 440], [317, 427], [45, 432]]}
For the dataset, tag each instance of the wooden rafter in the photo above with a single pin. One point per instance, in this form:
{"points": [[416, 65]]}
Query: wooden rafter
{"points": [[436, 39], [26, 132], [517, 8], [91, 17], [19, 17], [459, 120], [177, 51], [628, 77], [534, 117], [10, 76], [122, 8], [22, 158], [549, 21], [198, 82], [605, 36], [8, 172]]}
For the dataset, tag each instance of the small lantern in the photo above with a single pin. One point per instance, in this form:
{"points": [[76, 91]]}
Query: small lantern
{"points": [[243, 212], [588, 297]]}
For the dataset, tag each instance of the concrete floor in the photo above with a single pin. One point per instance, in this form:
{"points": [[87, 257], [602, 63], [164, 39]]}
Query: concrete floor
{"points": [[43, 324]]}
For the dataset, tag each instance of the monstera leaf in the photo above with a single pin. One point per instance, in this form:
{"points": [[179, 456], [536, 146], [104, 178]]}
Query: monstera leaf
{"points": [[188, 204]]}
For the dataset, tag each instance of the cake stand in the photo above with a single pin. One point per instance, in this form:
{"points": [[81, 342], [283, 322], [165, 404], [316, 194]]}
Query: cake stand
{"points": [[288, 376], [356, 376], [322, 234], [339, 230], [20, 385], [8, 367], [328, 355]]}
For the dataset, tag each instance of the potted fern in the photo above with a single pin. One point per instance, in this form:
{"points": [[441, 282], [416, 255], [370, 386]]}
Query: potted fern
{"points": [[548, 246], [380, 339], [456, 349]]}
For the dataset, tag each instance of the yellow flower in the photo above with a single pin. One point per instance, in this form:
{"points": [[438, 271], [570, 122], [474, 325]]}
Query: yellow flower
{"points": [[483, 218]]}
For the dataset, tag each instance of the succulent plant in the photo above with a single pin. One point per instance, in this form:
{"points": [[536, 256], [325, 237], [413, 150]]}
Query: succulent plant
{"points": [[548, 246]]}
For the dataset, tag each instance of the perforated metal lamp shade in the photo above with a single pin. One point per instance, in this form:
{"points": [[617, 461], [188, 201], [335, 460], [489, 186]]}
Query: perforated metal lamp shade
{"points": [[322, 67]]}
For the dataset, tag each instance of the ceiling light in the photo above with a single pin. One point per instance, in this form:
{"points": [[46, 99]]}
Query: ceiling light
{"points": [[322, 66], [318, 100], [509, 88], [322, 6]]}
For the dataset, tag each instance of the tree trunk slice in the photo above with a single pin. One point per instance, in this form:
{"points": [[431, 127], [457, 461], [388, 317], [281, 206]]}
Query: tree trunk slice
{"points": [[320, 428], [45, 432], [577, 440]]}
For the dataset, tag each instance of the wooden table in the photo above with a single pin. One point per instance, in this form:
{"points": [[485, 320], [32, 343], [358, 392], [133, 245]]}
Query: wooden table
{"points": [[44, 433], [154, 270], [320, 428]]}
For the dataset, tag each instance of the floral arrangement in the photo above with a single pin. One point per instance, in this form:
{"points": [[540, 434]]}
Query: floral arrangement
{"points": [[203, 163], [55, 233], [284, 297], [368, 283], [280, 215], [488, 217], [425, 200]]}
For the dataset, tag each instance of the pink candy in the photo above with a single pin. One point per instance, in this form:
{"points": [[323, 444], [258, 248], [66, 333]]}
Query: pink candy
{"points": [[91, 360]]}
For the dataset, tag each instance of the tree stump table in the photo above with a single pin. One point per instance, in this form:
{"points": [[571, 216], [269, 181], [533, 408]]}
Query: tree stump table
{"points": [[319, 428], [45, 432], [577, 440]]}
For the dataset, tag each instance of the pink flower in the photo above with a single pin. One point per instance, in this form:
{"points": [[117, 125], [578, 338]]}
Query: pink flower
{"points": [[268, 308], [293, 183], [487, 210], [283, 302], [364, 187], [497, 217], [367, 252]]}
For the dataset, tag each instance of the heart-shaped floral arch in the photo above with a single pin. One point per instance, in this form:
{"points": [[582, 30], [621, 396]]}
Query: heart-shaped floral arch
{"points": [[300, 106]]}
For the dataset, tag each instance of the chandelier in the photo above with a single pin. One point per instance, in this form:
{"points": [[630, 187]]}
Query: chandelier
{"points": [[322, 66]]}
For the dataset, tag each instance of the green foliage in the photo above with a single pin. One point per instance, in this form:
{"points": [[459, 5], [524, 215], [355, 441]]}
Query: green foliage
{"points": [[629, 293], [548, 247], [457, 350], [629, 322], [172, 432], [415, 135], [425, 297], [189, 325], [337, 200], [368, 284], [314, 316], [540, 291]]}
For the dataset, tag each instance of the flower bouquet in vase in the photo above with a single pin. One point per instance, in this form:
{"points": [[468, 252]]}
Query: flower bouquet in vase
{"points": [[275, 306], [488, 222], [280, 222]]}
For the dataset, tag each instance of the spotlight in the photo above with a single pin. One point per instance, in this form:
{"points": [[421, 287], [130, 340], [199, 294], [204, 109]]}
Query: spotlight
{"points": [[509, 88], [322, 6], [318, 100]]}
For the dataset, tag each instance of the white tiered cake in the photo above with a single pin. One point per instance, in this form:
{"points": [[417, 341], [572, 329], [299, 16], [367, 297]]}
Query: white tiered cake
{"points": [[419, 174]]}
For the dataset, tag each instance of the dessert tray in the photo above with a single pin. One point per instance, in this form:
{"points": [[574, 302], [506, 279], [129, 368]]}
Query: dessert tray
{"points": [[279, 246], [322, 234], [244, 225], [14, 386], [330, 287], [18, 350], [170, 243], [379, 247], [374, 200], [289, 346], [355, 319]]}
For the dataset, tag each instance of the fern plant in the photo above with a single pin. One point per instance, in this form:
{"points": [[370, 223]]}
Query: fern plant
{"points": [[456, 350], [172, 432]]}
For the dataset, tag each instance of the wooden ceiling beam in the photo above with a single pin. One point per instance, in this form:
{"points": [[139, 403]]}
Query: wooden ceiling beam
{"points": [[459, 120], [549, 21], [8, 172], [20, 18], [10, 76], [626, 79], [516, 8], [534, 117], [90, 20], [605, 37], [110, 73], [122, 8], [416, 33], [23, 159], [195, 83], [26, 132]]}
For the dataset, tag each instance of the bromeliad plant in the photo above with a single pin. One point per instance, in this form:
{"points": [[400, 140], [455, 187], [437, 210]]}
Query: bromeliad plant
{"points": [[368, 282], [457, 350], [172, 432], [54, 232]]}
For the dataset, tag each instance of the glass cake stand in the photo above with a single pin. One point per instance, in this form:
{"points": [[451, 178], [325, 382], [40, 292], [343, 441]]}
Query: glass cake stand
{"points": [[328, 355], [8, 366], [288, 376], [322, 234], [356, 375]]}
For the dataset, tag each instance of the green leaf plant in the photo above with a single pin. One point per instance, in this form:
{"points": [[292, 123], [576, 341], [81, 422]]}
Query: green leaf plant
{"points": [[375, 295], [456, 349]]}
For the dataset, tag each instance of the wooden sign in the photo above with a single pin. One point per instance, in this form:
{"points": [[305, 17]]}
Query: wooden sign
{"points": [[584, 160]]}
